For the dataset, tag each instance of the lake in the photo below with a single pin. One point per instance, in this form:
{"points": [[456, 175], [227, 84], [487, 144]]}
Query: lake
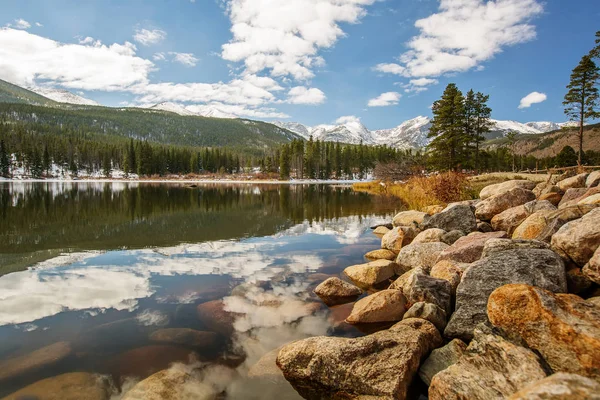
{"points": [[99, 273]]}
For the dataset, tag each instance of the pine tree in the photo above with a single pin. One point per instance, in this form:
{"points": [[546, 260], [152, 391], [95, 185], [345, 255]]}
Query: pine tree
{"points": [[4, 160], [46, 160], [447, 129], [595, 52], [483, 123], [284, 163], [511, 136], [582, 101]]}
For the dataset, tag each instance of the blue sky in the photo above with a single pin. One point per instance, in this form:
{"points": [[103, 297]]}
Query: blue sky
{"points": [[313, 61]]}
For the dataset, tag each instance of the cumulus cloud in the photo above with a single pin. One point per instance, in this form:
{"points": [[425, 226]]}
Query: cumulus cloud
{"points": [[186, 59], [463, 34], [238, 110], [385, 99], [419, 85], [284, 36], [532, 98], [304, 95], [19, 23], [38, 24], [25, 57], [147, 37]]}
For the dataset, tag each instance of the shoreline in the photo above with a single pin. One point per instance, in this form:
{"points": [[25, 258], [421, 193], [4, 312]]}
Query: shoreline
{"points": [[189, 181]]}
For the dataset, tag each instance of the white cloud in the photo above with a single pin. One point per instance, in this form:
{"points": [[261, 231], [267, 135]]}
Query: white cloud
{"points": [[284, 36], [159, 56], [532, 98], [347, 119], [19, 23], [186, 59], [148, 37], [25, 57], [464, 33], [385, 99], [419, 85], [239, 110], [304, 95], [38, 25]]}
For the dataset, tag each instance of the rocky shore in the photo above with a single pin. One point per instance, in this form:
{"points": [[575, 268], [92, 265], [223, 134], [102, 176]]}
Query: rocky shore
{"points": [[488, 299]]}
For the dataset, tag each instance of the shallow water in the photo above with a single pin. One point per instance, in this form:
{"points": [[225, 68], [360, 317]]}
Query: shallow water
{"points": [[103, 266]]}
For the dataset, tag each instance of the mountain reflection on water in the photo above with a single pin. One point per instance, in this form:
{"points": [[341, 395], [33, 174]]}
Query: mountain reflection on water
{"points": [[109, 264]]}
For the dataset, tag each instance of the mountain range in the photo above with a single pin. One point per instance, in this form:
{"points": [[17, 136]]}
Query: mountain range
{"points": [[408, 135]]}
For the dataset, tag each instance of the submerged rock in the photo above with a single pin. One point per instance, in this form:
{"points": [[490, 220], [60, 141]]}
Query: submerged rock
{"points": [[42, 358], [71, 386], [578, 240], [440, 359], [384, 306], [144, 361], [214, 316], [420, 255], [186, 337], [371, 274], [170, 384], [563, 328], [380, 365], [491, 368], [494, 205], [266, 368], [458, 217], [560, 386], [542, 268]]}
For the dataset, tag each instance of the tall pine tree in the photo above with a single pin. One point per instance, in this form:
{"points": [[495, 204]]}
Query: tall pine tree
{"points": [[4, 160], [581, 101], [483, 124]]}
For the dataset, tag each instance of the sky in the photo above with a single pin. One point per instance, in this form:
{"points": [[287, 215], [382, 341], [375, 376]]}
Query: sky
{"points": [[308, 61]]}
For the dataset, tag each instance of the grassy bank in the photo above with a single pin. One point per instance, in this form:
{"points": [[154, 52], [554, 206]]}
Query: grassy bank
{"points": [[421, 191]]}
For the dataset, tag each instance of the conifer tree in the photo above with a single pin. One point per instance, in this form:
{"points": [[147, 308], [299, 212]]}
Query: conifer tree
{"points": [[582, 101], [483, 123], [46, 160], [284, 163], [595, 52], [4, 160]]}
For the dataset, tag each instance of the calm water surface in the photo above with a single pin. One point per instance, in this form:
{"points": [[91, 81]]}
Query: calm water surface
{"points": [[103, 266]]}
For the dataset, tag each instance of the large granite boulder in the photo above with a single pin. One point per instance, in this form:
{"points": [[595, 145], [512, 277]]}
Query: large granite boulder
{"points": [[381, 230], [532, 226], [577, 181], [401, 282], [494, 205], [563, 328], [335, 291], [440, 359], [384, 306], [542, 268], [186, 337], [398, 237], [593, 179], [371, 274], [571, 197], [420, 255], [448, 270], [468, 248], [491, 368], [556, 219], [44, 357], [458, 217], [578, 240], [592, 199], [510, 219], [429, 235], [544, 188], [429, 312], [381, 365], [497, 245], [560, 386], [381, 254], [424, 288], [592, 268], [70, 386], [408, 218], [500, 188], [171, 384], [451, 237], [552, 198]]}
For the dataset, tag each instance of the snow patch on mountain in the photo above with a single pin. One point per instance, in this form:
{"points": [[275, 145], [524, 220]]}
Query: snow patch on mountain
{"points": [[195, 110], [63, 96], [408, 135], [172, 107]]}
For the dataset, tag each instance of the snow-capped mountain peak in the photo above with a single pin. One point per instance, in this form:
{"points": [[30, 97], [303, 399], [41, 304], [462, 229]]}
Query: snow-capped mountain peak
{"points": [[172, 107], [62, 96], [195, 110], [409, 134]]}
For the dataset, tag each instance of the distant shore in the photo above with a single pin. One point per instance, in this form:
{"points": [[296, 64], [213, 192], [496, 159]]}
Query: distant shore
{"points": [[188, 181]]}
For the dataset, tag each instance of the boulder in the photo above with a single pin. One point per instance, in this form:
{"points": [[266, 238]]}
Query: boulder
{"points": [[214, 316], [144, 361], [186, 337], [500, 188], [401, 282], [71, 386], [533, 225], [593, 199], [577, 282], [451, 237], [509, 219], [556, 219], [577, 240], [45, 357], [335, 291], [560, 386], [424, 288], [539, 205], [371, 274], [381, 254], [491, 368], [408, 218], [593, 179], [431, 210], [563, 328], [552, 198], [571, 197], [594, 300], [429, 235], [458, 217], [384, 306], [468, 249], [494, 205], [544, 188], [266, 368], [381, 365], [449, 271], [542, 268], [398, 237], [484, 227], [420, 255], [429, 312], [592, 268], [381, 230], [170, 384], [440, 359], [497, 245], [577, 181]]}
